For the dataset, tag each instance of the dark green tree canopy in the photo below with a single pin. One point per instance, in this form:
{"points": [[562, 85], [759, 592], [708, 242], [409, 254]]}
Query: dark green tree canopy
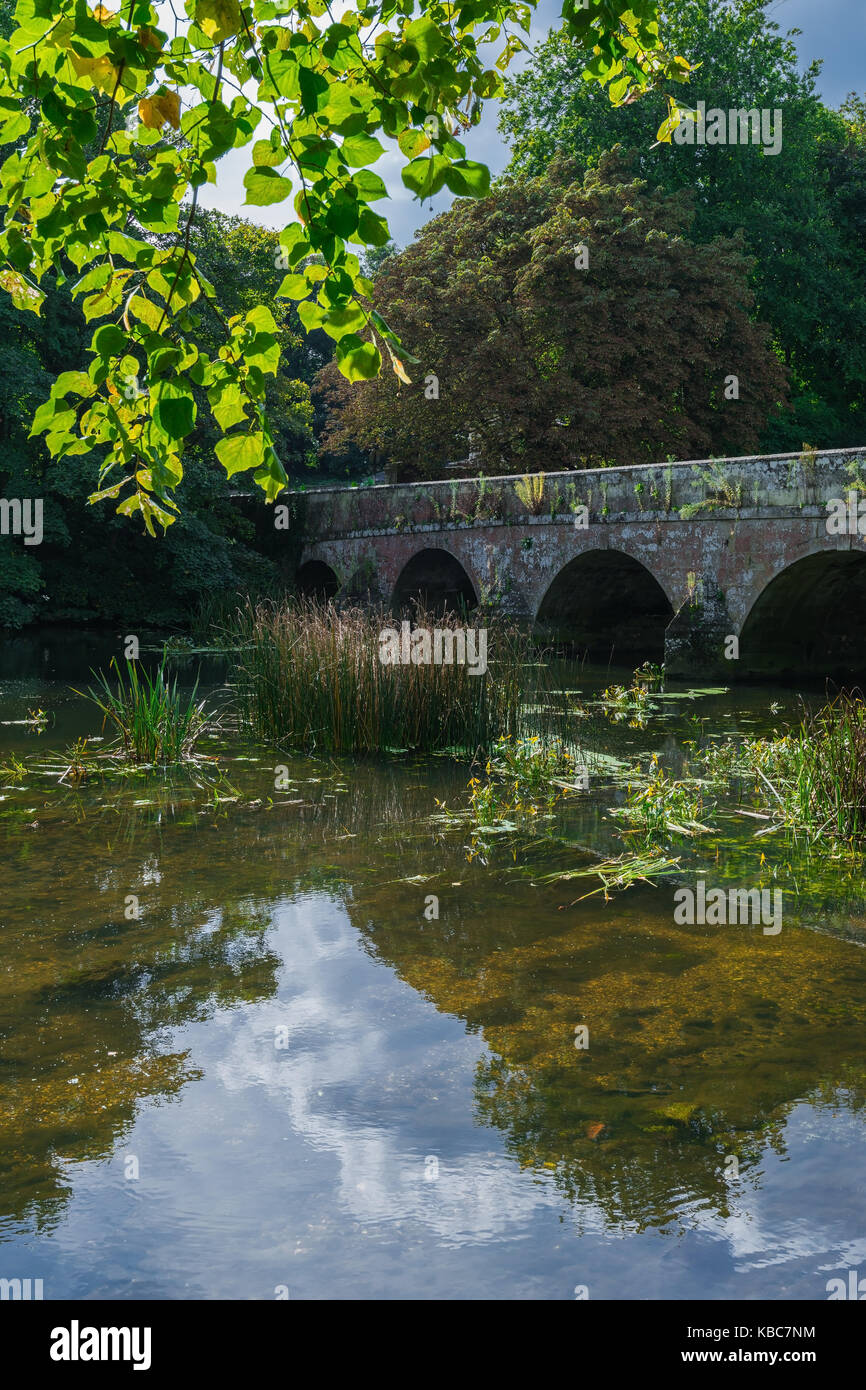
{"points": [[802, 211], [97, 568]]}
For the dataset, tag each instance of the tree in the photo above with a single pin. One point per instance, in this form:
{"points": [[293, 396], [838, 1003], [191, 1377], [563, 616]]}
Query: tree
{"points": [[802, 210], [90, 567], [310, 94], [537, 354], [239, 259]]}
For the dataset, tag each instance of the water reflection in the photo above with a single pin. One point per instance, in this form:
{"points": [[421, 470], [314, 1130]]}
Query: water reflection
{"points": [[299, 914]]}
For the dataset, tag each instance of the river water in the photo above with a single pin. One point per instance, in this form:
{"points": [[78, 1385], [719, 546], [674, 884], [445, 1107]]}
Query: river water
{"points": [[282, 1078]]}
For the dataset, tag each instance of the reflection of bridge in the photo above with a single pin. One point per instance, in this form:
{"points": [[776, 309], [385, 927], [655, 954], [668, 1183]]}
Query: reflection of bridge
{"points": [[672, 560]]}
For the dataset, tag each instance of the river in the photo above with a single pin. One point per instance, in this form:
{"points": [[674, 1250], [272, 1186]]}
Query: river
{"points": [[241, 1056]]}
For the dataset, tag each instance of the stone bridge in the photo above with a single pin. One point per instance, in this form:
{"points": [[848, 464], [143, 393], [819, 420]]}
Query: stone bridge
{"points": [[747, 567]]}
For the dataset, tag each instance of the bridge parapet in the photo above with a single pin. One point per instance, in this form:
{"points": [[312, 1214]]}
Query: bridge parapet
{"points": [[758, 486]]}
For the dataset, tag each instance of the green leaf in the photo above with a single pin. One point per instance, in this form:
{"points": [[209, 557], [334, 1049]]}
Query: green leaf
{"points": [[73, 381], [266, 157], [295, 243], [240, 451], [342, 216], [373, 229], [361, 150], [358, 360], [108, 340], [468, 178], [425, 176], [218, 19], [413, 142], [174, 410], [228, 405], [265, 187], [271, 477], [261, 319], [293, 287], [314, 90], [311, 315], [426, 37], [369, 185], [341, 322]]}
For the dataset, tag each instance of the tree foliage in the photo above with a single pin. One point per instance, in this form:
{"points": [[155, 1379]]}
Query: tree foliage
{"points": [[534, 363], [132, 122], [802, 211], [90, 567]]}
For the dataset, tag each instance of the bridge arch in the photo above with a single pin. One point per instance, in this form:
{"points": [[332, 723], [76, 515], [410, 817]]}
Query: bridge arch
{"points": [[435, 578], [315, 579], [808, 620], [609, 605]]}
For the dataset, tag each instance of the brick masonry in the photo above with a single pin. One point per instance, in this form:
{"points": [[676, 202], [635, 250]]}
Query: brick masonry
{"points": [[714, 535]]}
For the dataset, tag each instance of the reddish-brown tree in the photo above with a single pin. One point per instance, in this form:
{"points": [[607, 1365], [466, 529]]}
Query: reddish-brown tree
{"points": [[534, 355]]}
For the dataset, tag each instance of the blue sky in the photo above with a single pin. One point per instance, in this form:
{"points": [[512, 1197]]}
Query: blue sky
{"points": [[834, 30]]}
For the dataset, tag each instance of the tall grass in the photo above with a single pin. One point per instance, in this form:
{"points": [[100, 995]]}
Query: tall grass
{"points": [[155, 723], [310, 677], [825, 785]]}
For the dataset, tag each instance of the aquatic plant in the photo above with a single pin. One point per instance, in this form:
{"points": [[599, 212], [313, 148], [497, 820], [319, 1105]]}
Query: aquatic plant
{"points": [[658, 806], [630, 702], [619, 873], [813, 779], [155, 722], [533, 764], [650, 675], [524, 778], [76, 759], [310, 676], [12, 769]]}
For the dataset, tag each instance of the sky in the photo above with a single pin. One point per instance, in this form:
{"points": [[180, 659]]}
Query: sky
{"points": [[833, 30]]}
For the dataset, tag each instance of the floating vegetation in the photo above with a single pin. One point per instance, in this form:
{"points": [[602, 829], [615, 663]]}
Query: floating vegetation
{"points": [[618, 873], [625, 697], [12, 769], [631, 702], [649, 675], [35, 722], [812, 779], [660, 806], [523, 780]]}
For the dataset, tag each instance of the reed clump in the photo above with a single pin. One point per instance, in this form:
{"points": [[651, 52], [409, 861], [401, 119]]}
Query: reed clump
{"points": [[154, 721], [310, 676]]}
